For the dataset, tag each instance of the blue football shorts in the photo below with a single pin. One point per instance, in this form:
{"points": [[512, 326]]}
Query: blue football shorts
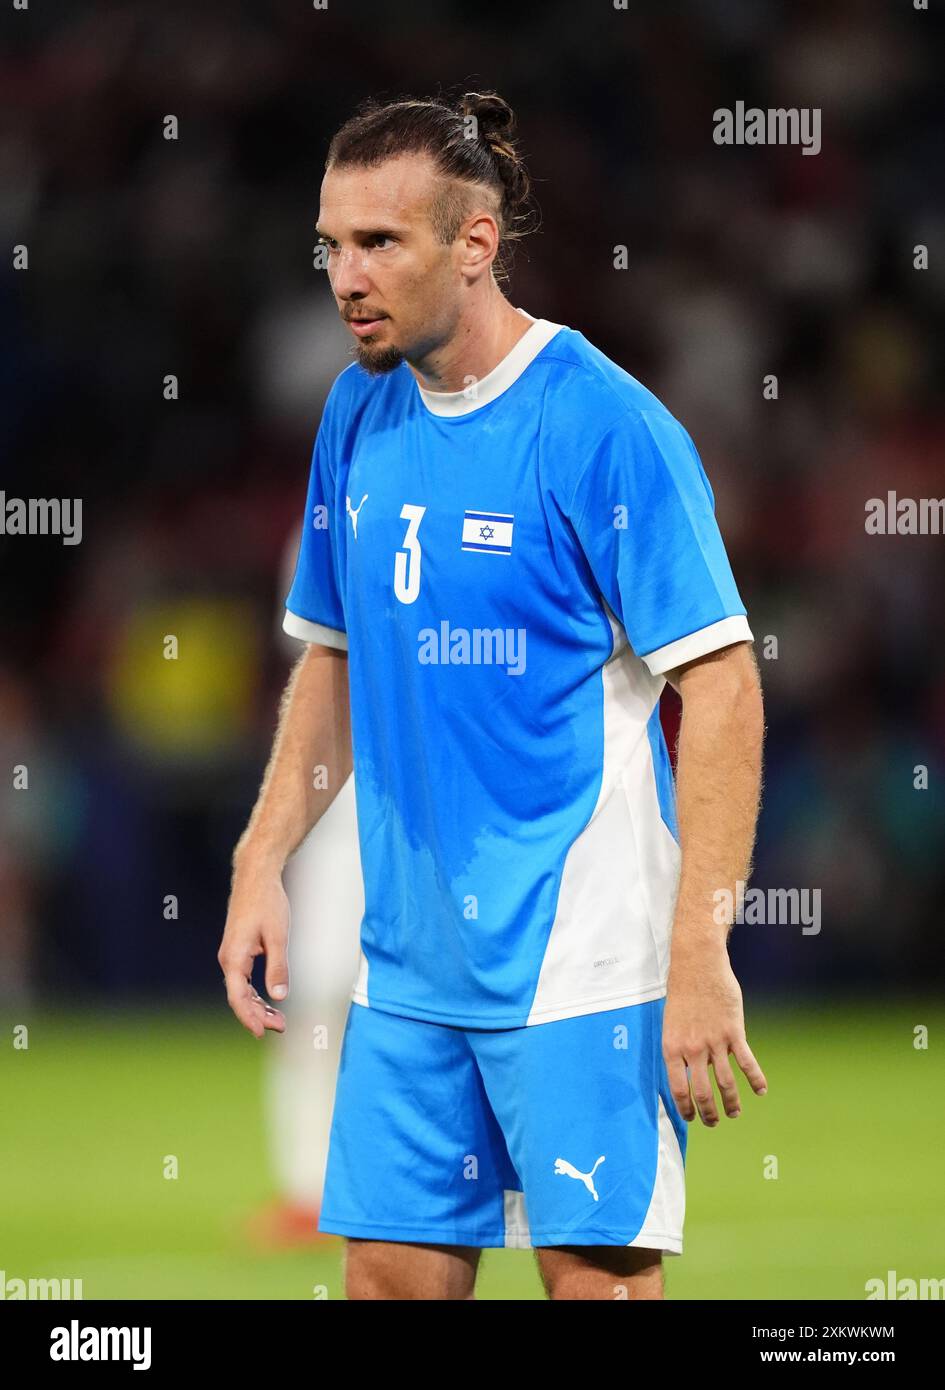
{"points": [[560, 1133]]}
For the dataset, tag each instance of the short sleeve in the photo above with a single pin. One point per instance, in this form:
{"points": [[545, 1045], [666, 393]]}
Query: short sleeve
{"points": [[644, 514], [314, 607]]}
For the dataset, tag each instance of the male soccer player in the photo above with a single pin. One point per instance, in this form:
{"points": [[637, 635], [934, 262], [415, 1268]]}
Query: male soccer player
{"points": [[510, 546]]}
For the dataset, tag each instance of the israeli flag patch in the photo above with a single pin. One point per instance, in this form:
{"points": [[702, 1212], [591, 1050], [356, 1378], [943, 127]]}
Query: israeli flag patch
{"points": [[488, 531]]}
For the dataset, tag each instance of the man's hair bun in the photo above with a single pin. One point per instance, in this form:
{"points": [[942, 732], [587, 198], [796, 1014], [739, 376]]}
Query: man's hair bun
{"points": [[495, 117], [495, 121]]}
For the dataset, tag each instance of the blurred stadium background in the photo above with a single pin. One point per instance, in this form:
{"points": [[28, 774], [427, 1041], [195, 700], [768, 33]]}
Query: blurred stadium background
{"points": [[193, 257]]}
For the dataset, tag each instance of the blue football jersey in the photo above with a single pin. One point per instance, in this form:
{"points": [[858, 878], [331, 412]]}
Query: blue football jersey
{"points": [[512, 569]]}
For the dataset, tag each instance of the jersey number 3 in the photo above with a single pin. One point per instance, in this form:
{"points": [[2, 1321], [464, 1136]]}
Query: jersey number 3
{"points": [[407, 559]]}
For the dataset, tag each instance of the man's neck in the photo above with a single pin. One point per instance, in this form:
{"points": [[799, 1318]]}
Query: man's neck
{"points": [[478, 346]]}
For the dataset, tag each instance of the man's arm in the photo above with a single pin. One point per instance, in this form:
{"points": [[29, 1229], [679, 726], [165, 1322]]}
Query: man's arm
{"points": [[718, 776], [314, 730]]}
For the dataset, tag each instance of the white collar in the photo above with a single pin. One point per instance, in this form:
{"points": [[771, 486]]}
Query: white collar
{"points": [[499, 379]]}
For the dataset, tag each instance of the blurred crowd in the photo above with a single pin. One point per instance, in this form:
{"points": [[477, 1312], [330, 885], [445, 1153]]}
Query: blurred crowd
{"points": [[170, 344]]}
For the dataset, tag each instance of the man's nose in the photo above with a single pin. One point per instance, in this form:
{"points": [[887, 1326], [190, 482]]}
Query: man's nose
{"points": [[350, 279]]}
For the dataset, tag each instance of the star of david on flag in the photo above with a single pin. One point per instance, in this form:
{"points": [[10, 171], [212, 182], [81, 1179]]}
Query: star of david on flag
{"points": [[488, 531]]}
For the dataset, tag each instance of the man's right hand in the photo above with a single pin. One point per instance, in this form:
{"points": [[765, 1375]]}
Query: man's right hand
{"points": [[257, 924]]}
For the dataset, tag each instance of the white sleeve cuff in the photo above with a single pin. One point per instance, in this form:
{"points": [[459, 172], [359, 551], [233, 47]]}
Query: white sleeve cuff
{"points": [[308, 631], [707, 639]]}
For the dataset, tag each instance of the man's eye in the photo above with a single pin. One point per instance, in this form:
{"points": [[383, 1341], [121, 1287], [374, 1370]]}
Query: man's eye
{"points": [[376, 241], [328, 243]]}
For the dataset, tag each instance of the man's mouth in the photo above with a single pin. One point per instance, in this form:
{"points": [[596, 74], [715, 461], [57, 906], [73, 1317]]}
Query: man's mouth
{"points": [[364, 326]]}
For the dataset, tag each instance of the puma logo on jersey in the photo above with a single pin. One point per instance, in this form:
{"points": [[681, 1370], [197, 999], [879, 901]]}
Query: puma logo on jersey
{"points": [[564, 1169], [353, 513]]}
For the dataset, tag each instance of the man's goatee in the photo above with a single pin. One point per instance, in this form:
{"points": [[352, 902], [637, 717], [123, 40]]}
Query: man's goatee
{"points": [[379, 363]]}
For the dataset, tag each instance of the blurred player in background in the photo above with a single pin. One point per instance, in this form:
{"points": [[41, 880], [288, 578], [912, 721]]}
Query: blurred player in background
{"points": [[326, 895]]}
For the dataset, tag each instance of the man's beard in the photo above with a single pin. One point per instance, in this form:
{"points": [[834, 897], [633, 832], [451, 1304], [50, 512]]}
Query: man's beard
{"points": [[378, 361]]}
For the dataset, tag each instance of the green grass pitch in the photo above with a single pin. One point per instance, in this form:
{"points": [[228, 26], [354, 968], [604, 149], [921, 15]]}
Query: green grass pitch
{"points": [[853, 1117]]}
